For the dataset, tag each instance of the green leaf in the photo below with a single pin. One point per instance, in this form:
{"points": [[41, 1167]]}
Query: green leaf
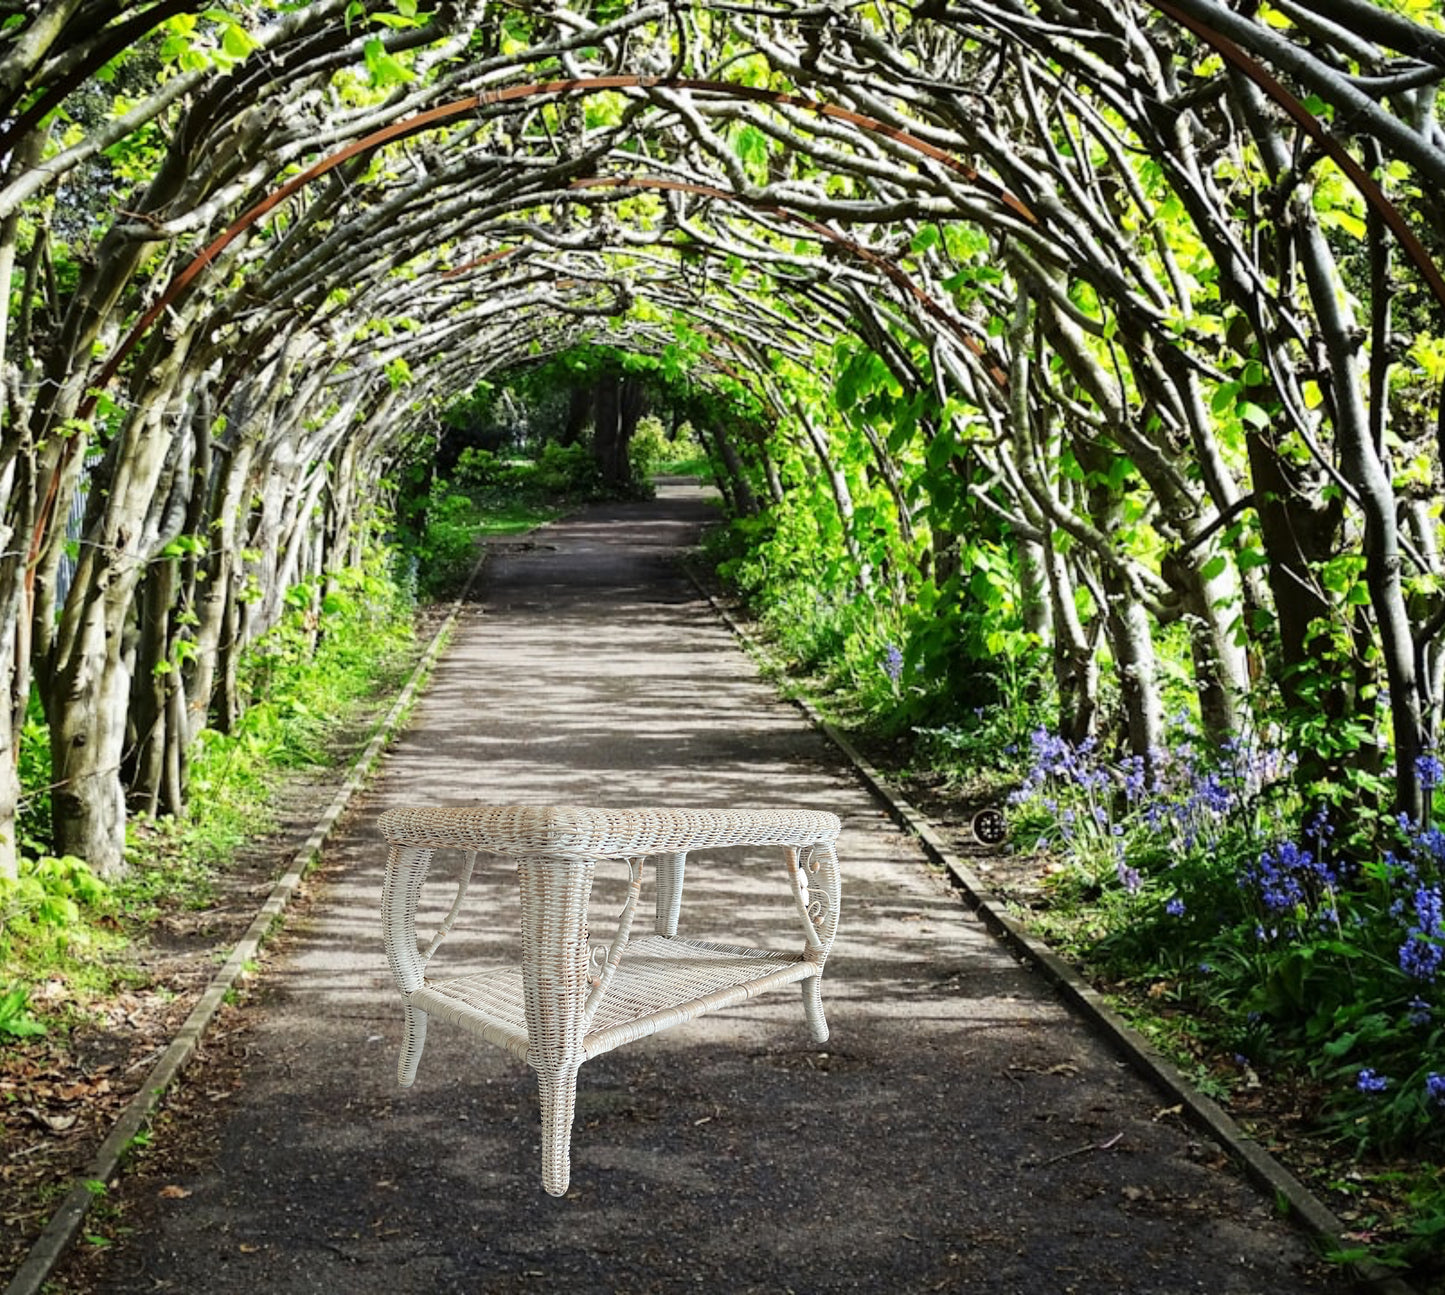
{"points": [[1214, 568], [1252, 414], [1224, 397], [926, 237], [382, 67], [237, 42], [751, 146]]}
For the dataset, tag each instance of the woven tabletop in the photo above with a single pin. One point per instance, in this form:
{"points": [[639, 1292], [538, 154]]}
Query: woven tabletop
{"points": [[562, 831]]}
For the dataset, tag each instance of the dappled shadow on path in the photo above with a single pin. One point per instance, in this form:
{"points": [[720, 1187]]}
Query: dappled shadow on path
{"points": [[959, 1132]]}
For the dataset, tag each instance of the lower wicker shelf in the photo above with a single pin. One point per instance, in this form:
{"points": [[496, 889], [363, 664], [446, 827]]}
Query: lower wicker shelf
{"points": [[661, 981]]}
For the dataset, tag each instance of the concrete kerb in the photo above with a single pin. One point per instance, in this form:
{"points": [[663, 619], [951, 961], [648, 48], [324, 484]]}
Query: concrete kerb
{"points": [[65, 1223], [1259, 1166]]}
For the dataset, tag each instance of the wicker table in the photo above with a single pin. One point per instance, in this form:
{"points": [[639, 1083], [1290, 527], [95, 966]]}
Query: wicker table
{"points": [[567, 1002]]}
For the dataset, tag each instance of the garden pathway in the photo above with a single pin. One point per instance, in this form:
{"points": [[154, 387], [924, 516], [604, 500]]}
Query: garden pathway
{"points": [[961, 1131]]}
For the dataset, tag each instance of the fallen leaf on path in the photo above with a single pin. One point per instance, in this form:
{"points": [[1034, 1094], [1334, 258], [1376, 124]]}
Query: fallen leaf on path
{"points": [[174, 1193], [77, 1091], [55, 1123]]}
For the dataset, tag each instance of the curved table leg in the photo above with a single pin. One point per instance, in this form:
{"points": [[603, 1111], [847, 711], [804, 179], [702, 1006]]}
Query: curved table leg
{"points": [[817, 892], [405, 873], [813, 1008], [413, 1039]]}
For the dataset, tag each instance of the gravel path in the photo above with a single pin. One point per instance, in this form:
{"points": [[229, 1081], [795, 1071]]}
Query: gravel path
{"points": [[961, 1131]]}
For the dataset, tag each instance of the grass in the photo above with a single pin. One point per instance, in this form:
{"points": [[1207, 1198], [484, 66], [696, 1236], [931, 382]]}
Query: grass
{"points": [[695, 464]]}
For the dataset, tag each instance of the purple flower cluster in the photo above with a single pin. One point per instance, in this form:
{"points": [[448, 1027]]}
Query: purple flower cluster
{"points": [[1435, 1087], [1175, 793], [893, 662], [1057, 762], [1424, 948], [1288, 878], [1367, 1081], [1429, 770]]}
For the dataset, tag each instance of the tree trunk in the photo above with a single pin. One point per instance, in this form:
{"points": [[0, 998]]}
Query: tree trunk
{"points": [[154, 677], [88, 702], [14, 670], [215, 592], [1076, 667], [579, 412], [1034, 601]]}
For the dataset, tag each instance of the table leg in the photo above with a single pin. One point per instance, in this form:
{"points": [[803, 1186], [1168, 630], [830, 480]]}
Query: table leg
{"points": [[555, 983], [669, 892], [405, 875], [817, 891]]}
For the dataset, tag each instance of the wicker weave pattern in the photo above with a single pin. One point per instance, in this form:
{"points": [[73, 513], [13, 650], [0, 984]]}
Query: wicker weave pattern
{"points": [[643, 998], [558, 1009], [567, 832]]}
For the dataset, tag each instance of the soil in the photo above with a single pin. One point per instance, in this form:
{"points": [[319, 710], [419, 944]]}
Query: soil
{"points": [[960, 1131]]}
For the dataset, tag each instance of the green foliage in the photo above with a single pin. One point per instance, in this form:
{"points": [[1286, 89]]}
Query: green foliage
{"points": [[446, 548], [15, 1019], [33, 820], [333, 649], [54, 917], [648, 450], [684, 456], [567, 470], [1308, 954]]}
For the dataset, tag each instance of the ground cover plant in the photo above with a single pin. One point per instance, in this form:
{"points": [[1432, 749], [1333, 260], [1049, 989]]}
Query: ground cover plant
{"points": [[326, 663], [1293, 945]]}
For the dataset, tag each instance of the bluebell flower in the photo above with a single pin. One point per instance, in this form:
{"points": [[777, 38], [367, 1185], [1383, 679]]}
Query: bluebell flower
{"points": [[1429, 771], [893, 662], [1430, 842], [1435, 1087], [1175, 907], [1418, 1011], [1420, 958], [1367, 1081]]}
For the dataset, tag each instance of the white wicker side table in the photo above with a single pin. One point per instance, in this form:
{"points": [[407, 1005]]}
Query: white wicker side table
{"points": [[567, 1003]]}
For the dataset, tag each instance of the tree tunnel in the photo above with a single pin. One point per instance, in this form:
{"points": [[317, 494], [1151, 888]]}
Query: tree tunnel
{"points": [[1083, 332]]}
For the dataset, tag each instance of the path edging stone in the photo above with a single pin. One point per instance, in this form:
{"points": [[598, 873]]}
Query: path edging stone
{"points": [[65, 1223], [1262, 1169]]}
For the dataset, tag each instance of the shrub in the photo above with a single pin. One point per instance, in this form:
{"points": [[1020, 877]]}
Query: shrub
{"points": [[567, 470]]}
